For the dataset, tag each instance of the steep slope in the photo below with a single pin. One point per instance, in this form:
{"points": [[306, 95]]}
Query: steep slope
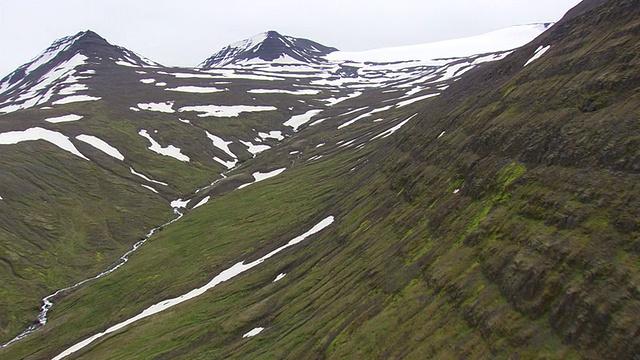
{"points": [[269, 47], [525, 174]]}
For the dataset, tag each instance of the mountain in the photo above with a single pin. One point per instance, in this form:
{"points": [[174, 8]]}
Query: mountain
{"points": [[269, 47], [444, 204], [61, 70]]}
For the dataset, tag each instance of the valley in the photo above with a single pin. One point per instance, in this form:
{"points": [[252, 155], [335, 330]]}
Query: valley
{"points": [[475, 198]]}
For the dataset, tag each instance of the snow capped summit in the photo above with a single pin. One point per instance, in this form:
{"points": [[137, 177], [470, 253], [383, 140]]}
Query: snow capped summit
{"points": [[43, 58], [86, 43], [271, 47], [250, 42], [61, 69]]}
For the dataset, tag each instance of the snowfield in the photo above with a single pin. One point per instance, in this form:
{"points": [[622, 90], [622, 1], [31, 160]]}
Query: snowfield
{"points": [[500, 40]]}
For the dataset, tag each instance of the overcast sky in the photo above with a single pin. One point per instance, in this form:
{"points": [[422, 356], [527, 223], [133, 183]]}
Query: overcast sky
{"points": [[184, 33]]}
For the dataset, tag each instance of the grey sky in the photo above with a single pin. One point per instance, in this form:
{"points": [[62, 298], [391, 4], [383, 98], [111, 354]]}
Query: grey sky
{"points": [[183, 33]]}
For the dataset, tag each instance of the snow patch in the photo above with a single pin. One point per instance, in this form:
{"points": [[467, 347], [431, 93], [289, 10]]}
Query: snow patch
{"points": [[258, 176], [253, 148], [414, 100], [201, 202], [227, 164], [149, 187], [101, 145], [333, 101], [539, 52], [500, 40], [176, 204], [72, 89], [165, 107], [225, 110], [57, 47], [221, 144], [272, 135], [34, 95], [196, 89], [290, 92], [298, 120], [415, 90], [170, 150], [38, 133], [253, 332], [146, 178], [75, 98], [125, 63], [63, 118], [364, 116], [387, 133]]}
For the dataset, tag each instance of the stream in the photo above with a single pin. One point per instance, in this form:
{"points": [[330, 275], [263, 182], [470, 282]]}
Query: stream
{"points": [[47, 301]]}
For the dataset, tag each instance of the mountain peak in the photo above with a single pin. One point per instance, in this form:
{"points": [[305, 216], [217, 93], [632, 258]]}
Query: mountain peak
{"points": [[89, 34], [35, 82], [269, 46]]}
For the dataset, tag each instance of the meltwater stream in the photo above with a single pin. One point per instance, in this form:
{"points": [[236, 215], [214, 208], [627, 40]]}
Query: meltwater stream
{"points": [[225, 275], [47, 302]]}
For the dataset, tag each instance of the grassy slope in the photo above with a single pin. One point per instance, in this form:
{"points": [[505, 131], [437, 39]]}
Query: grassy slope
{"points": [[224, 231], [65, 218], [55, 205]]}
